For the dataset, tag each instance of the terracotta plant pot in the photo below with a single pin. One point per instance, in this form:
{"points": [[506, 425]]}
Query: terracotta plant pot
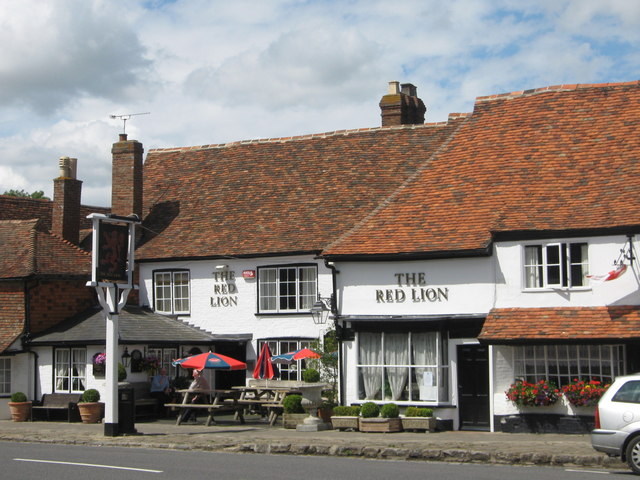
{"points": [[90, 412], [20, 411]]}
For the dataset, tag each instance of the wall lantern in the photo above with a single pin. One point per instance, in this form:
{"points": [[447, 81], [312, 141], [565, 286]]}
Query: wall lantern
{"points": [[126, 357], [321, 310]]}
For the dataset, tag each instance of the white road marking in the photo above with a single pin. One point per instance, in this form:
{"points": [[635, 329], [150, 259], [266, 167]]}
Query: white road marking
{"points": [[114, 467], [587, 471]]}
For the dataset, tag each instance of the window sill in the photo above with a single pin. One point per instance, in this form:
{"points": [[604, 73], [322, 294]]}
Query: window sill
{"points": [[306, 313], [556, 289]]}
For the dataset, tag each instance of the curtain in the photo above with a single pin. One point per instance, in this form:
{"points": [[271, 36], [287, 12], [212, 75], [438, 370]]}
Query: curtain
{"points": [[370, 353], [396, 353], [425, 352], [62, 370]]}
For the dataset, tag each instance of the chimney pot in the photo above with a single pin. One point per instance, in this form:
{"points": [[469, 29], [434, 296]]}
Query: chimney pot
{"points": [[394, 88], [409, 89], [123, 137], [65, 167]]}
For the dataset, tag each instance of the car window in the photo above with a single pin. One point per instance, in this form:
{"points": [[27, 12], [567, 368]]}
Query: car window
{"points": [[629, 392]]}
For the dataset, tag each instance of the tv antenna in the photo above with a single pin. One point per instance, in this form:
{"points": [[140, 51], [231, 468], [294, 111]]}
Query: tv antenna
{"points": [[125, 117]]}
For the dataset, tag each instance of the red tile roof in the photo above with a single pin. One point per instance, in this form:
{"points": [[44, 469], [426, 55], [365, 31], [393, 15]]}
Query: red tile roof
{"points": [[557, 158], [276, 196], [512, 325], [29, 249]]}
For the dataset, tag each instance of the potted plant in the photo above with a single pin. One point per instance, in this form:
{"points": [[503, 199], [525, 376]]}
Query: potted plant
{"points": [[325, 410], [90, 407], [584, 394], [419, 418], [377, 419], [19, 407], [345, 417], [311, 375], [99, 361], [526, 394], [294, 414]]}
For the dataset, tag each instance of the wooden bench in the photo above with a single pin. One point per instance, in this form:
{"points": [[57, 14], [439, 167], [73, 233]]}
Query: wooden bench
{"points": [[223, 401], [66, 403], [145, 404]]}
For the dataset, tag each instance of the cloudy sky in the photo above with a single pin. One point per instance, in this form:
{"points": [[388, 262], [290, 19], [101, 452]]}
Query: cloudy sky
{"points": [[212, 71]]}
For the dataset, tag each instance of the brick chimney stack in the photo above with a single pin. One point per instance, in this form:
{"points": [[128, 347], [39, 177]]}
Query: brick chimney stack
{"points": [[67, 190], [126, 179], [402, 106]]}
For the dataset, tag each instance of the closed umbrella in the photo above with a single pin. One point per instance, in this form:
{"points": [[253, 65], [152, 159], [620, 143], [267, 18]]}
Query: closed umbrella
{"points": [[210, 360], [264, 367], [296, 355]]}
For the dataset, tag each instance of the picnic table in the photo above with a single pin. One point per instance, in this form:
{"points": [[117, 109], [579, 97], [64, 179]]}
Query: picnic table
{"points": [[266, 398], [216, 401]]}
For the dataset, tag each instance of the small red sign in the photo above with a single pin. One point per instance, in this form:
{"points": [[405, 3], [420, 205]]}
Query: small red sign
{"points": [[248, 274]]}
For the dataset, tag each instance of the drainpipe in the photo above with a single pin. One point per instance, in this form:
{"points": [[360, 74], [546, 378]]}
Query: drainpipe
{"points": [[336, 316], [26, 335]]}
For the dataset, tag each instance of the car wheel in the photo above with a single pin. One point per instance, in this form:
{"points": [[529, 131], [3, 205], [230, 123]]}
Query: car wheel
{"points": [[633, 455]]}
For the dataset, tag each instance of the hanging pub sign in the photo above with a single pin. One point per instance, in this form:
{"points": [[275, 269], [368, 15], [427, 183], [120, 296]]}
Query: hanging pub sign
{"points": [[112, 253]]}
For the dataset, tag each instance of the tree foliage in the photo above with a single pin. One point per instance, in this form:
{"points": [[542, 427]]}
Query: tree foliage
{"points": [[327, 364], [38, 194]]}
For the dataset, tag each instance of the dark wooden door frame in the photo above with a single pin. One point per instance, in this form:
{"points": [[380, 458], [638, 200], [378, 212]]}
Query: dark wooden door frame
{"points": [[473, 376]]}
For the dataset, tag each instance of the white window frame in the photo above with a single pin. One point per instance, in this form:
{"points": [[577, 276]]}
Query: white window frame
{"points": [[5, 376], [165, 356], [173, 293], [70, 373], [537, 269], [561, 364], [441, 379], [280, 346], [272, 289]]}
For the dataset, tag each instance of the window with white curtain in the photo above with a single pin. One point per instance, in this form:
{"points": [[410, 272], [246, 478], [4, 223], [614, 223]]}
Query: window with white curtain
{"points": [[171, 291], [165, 357], [556, 265], [287, 289], [70, 370], [403, 367], [5, 376]]}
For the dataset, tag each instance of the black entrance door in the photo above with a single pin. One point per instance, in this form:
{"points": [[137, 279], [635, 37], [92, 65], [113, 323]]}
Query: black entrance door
{"points": [[230, 378], [473, 387]]}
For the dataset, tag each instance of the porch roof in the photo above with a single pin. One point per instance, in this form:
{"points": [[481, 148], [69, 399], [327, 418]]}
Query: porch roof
{"points": [[566, 324], [135, 325]]}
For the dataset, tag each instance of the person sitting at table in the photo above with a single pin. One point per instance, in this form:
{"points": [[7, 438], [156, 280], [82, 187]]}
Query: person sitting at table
{"points": [[198, 384], [161, 390]]}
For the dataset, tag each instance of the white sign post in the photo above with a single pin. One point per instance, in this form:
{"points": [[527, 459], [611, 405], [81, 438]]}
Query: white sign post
{"points": [[112, 277]]}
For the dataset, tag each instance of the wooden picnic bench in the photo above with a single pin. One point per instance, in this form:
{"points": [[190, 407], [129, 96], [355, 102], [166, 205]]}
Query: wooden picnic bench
{"points": [[218, 401], [269, 399], [66, 403]]}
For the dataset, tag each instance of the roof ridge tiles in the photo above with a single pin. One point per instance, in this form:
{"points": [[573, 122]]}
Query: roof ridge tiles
{"points": [[554, 88], [309, 136]]}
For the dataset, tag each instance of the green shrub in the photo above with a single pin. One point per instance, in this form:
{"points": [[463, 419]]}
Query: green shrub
{"points": [[348, 411], [311, 375], [18, 397], [369, 410], [293, 404], [389, 410], [418, 412], [90, 396]]}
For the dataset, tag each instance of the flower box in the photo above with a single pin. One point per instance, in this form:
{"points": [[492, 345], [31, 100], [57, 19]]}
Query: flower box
{"points": [[344, 423], [428, 424], [292, 420], [380, 425]]}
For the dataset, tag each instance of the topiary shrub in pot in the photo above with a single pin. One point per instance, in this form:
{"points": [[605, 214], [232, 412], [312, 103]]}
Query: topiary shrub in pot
{"points": [[311, 375], [90, 407], [19, 407], [388, 422], [419, 419], [345, 418], [294, 414]]}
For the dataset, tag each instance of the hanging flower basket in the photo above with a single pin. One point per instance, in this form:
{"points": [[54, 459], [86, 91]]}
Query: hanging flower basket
{"points": [[584, 394], [540, 394], [99, 363]]}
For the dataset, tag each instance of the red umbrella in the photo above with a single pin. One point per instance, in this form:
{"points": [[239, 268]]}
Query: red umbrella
{"points": [[297, 355], [210, 360], [264, 367]]}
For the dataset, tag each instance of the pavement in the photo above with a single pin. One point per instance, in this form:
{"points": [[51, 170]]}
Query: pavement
{"points": [[256, 436]]}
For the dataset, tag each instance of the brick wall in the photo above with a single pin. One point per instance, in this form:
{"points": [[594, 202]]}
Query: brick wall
{"points": [[11, 312], [66, 208], [53, 301], [126, 185]]}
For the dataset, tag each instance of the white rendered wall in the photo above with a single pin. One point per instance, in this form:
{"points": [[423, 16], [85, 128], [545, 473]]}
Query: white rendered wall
{"points": [[420, 287], [236, 313], [602, 252]]}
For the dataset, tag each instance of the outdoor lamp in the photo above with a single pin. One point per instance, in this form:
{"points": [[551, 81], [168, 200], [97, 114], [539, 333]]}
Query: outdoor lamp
{"points": [[126, 357], [320, 311]]}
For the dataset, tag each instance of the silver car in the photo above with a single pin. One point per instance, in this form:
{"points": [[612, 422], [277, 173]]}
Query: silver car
{"points": [[617, 431]]}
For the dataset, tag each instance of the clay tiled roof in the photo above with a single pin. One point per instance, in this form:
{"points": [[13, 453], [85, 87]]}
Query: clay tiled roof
{"points": [[287, 195], [29, 249], [553, 159], [512, 325]]}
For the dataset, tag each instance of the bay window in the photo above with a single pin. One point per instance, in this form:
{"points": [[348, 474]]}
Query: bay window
{"points": [[556, 265], [409, 366], [287, 289]]}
